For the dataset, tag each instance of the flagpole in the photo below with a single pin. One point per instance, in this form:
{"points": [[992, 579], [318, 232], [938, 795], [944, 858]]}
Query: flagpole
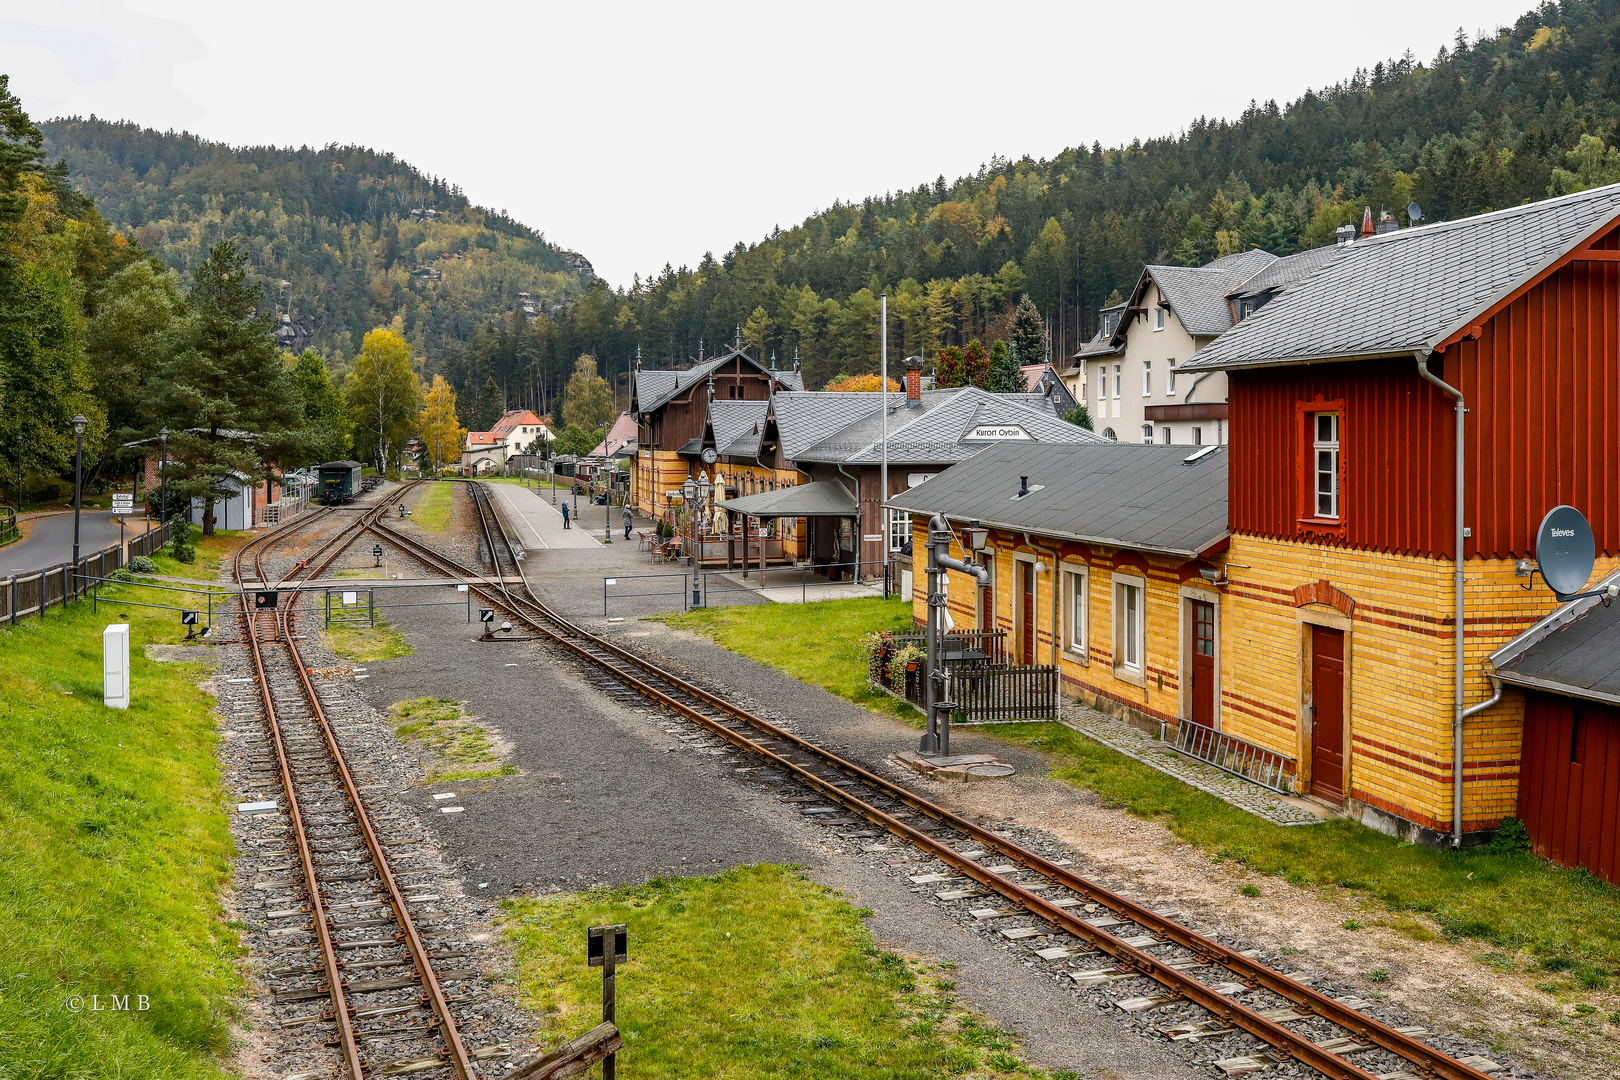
{"points": [[883, 471]]}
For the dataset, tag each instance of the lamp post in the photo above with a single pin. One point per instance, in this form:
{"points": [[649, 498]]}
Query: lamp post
{"points": [[163, 478], [19, 473], [79, 424], [692, 491]]}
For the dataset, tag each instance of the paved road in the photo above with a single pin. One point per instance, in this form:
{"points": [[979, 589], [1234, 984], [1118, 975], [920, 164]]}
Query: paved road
{"points": [[49, 540]]}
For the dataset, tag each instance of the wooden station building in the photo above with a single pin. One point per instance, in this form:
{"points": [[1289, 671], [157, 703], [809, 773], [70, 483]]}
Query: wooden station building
{"points": [[1333, 622]]}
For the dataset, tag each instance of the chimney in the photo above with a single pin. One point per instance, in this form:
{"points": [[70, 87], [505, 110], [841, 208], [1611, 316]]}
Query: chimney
{"points": [[1023, 486], [913, 379], [1366, 221]]}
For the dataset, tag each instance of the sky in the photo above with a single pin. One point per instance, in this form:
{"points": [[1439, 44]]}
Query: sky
{"points": [[640, 134]]}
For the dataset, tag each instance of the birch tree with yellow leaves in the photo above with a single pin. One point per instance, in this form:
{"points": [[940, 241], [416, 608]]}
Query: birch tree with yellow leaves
{"points": [[441, 433]]}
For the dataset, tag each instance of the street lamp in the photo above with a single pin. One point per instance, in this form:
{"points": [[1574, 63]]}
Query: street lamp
{"points": [[19, 474], [163, 478], [79, 424]]}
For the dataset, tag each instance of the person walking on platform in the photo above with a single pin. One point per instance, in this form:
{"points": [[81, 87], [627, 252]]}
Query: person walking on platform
{"points": [[628, 521], [565, 516]]}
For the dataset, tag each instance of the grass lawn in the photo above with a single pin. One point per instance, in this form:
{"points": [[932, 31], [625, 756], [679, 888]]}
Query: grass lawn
{"points": [[754, 972], [455, 747], [113, 843], [1536, 915], [816, 643], [432, 510], [364, 644], [212, 553]]}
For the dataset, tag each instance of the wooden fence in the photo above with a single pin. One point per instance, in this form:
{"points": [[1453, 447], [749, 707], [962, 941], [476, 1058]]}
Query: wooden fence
{"points": [[148, 542], [986, 689], [32, 594]]}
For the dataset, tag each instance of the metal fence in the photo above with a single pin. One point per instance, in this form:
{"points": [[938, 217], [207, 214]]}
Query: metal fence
{"points": [[1265, 767]]}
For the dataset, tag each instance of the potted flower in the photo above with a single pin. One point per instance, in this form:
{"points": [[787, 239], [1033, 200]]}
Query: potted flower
{"points": [[907, 659]]}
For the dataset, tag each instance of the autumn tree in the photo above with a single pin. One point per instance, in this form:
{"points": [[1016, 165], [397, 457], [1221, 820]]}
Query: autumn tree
{"points": [[756, 332], [860, 384], [231, 405], [587, 402], [441, 433], [384, 397]]}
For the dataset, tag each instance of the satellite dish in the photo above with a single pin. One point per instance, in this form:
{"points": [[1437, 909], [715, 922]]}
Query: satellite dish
{"points": [[1565, 550], [1414, 212]]}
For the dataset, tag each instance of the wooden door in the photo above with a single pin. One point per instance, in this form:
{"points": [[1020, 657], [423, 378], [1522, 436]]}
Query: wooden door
{"points": [[1327, 713], [1026, 643], [1203, 662]]}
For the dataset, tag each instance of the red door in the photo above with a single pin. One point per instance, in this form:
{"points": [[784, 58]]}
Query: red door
{"points": [[1026, 572], [1203, 663], [1327, 713]]}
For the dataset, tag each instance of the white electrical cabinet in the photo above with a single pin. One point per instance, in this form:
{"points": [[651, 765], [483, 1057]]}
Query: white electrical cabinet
{"points": [[115, 666]]}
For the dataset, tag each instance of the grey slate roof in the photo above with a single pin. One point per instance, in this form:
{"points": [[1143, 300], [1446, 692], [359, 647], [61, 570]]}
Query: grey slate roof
{"points": [[1117, 494], [654, 388], [806, 417], [1286, 271], [1197, 294], [737, 424], [1409, 290], [931, 431], [821, 498], [1575, 651]]}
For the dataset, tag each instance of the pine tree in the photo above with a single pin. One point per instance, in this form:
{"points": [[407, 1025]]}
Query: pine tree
{"points": [[1027, 340], [231, 405], [1005, 376]]}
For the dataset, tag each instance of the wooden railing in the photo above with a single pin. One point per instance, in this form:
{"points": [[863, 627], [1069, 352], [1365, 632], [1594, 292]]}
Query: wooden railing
{"points": [[1265, 767]]}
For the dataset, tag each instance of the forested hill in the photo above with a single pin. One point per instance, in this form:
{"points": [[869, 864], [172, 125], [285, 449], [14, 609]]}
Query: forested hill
{"points": [[360, 238], [1484, 124]]}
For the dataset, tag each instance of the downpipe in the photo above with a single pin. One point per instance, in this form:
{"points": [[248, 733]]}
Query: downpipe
{"points": [[1458, 712]]}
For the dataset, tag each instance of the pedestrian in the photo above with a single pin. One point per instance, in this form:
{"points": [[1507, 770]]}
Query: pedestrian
{"points": [[628, 521], [565, 515]]}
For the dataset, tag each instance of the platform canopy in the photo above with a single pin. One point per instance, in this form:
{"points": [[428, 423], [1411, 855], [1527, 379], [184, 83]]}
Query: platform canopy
{"points": [[823, 498]]}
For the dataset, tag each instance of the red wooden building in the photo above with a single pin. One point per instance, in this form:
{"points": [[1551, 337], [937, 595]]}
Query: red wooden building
{"points": [[1349, 643]]}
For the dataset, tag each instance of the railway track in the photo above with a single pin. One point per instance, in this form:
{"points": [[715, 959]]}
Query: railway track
{"points": [[359, 911], [1153, 960]]}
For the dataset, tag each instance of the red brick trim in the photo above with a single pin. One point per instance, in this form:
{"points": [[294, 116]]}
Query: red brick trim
{"points": [[1321, 592], [1235, 707], [1135, 706], [1403, 812], [1284, 713]]}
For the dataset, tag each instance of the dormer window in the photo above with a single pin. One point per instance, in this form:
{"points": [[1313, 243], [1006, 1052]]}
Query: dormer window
{"points": [[1158, 317], [1245, 309], [1110, 323]]}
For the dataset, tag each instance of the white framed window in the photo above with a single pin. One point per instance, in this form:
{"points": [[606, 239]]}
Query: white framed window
{"points": [[1164, 436], [1077, 609], [1119, 378], [1326, 467], [1147, 433], [1129, 620], [1147, 378], [1108, 433], [1158, 317], [1198, 436], [1170, 377], [899, 528]]}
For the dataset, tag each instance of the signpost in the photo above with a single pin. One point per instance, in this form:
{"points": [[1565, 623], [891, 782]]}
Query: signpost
{"points": [[598, 955], [123, 502]]}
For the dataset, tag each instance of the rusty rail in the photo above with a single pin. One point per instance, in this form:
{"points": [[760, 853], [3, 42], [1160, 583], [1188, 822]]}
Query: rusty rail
{"points": [[618, 662], [455, 1051]]}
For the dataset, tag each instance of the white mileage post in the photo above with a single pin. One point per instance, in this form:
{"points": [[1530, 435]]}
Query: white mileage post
{"points": [[115, 666]]}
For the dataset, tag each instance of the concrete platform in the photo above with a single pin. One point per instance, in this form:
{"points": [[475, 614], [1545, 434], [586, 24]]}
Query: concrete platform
{"points": [[539, 525], [783, 587]]}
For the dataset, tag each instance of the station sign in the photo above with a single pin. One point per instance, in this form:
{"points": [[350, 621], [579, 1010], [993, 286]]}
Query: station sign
{"points": [[997, 433]]}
